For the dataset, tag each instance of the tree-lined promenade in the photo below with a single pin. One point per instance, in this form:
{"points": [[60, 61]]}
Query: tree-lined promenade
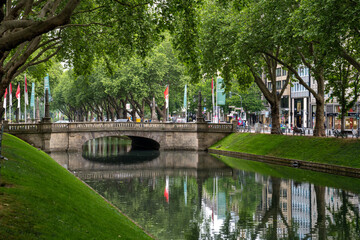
{"points": [[242, 41]]}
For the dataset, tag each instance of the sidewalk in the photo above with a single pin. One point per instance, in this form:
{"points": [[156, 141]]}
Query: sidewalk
{"points": [[308, 131]]}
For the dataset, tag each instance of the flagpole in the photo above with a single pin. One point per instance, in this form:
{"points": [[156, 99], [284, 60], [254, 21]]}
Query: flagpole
{"points": [[213, 99], [4, 105], [216, 107], [168, 109], [25, 97], [185, 102], [10, 101], [19, 104]]}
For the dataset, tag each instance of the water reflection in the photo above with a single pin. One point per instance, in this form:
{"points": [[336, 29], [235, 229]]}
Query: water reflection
{"points": [[191, 195], [110, 150]]}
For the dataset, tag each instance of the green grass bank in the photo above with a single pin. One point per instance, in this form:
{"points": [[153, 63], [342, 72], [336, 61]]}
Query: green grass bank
{"points": [[300, 175], [336, 151], [39, 199]]}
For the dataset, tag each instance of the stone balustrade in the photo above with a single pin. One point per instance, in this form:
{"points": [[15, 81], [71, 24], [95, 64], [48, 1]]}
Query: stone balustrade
{"points": [[71, 136], [113, 126]]}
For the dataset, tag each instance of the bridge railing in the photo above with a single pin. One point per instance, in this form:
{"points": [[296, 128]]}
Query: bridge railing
{"points": [[116, 126], [22, 127]]}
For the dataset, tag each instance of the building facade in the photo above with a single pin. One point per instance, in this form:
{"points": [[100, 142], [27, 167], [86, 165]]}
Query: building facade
{"points": [[298, 105]]}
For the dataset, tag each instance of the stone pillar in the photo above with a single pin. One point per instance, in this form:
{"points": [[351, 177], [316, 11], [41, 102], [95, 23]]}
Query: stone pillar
{"points": [[47, 118], [199, 117], [234, 125], [6, 125], [37, 114], [17, 115]]}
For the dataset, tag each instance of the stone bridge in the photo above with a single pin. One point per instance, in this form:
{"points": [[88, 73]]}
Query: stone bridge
{"points": [[52, 137]]}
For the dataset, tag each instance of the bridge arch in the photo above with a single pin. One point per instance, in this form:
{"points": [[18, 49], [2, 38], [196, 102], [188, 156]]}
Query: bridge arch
{"points": [[139, 140]]}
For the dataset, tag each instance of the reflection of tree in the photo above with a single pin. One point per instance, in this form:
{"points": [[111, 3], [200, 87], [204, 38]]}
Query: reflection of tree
{"points": [[321, 207], [272, 214], [345, 224]]}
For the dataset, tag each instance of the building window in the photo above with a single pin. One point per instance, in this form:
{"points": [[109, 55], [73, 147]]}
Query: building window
{"points": [[269, 85], [284, 102], [303, 71], [283, 83], [278, 72], [283, 72], [278, 85]]}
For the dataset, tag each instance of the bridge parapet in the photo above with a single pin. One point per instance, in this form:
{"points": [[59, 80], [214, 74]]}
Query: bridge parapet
{"points": [[223, 127], [71, 136], [26, 127], [109, 126]]}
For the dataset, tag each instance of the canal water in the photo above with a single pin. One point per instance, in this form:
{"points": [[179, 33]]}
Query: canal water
{"points": [[194, 195]]}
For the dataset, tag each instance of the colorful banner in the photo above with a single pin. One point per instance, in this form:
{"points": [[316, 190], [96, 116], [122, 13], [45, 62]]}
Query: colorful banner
{"points": [[18, 95], [166, 95], [26, 95], [220, 92], [4, 104], [185, 97], [47, 86], [10, 95], [32, 99]]}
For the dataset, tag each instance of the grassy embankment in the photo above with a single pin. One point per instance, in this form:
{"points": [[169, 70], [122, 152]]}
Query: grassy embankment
{"points": [[39, 199], [336, 151]]}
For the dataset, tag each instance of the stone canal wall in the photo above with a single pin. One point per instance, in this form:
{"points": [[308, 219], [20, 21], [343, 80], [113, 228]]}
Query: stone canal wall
{"points": [[320, 167]]}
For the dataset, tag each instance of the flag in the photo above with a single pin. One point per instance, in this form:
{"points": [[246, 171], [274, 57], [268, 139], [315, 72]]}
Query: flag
{"points": [[10, 95], [212, 95], [32, 99], [4, 105], [26, 93], [18, 95], [47, 86], [185, 98], [166, 95]]}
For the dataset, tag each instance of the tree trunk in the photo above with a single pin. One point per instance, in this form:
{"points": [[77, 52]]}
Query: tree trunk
{"points": [[153, 112], [320, 205], [275, 118], [343, 114]]}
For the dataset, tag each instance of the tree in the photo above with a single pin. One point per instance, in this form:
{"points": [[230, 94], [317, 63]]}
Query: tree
{"points": [[22, 25], [343, 85], [137, 81], [34, 31], [237, 51]]}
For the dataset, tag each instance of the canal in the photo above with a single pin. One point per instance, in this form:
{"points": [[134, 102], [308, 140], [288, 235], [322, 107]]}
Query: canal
{"points": [[194, 195]]}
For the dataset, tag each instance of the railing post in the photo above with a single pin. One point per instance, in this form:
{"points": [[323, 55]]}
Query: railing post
{"points": [[234, 125], [6, 125]]}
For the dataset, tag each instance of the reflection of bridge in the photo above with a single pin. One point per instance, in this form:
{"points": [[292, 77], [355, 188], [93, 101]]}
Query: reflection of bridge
{"points": [[169, 163], [71, 136]]}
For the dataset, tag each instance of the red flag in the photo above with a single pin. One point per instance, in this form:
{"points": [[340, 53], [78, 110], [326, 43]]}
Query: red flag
{"points": [[10, 95], [26, 93], [166, 95], [5, 93], [212, 84], [18, 95], [4, 104], [18, 92]]}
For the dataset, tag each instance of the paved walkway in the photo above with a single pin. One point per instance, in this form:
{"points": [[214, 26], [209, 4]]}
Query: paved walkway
{"points": [[308, 131]]}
